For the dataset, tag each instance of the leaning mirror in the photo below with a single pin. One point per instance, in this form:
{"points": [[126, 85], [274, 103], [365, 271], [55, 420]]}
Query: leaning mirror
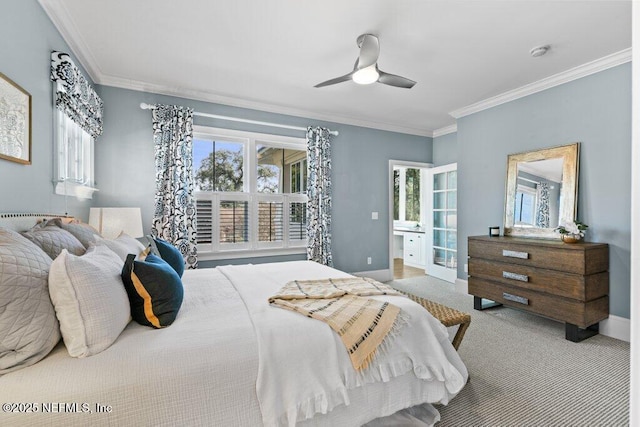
{"points": [[541, 191]]}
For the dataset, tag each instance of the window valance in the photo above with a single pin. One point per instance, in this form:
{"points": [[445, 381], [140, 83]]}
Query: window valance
{"points": [[75, 96]]}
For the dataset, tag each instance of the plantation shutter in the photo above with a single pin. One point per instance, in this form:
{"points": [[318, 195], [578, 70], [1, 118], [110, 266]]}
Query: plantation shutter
{"points": [[204, 224], [298, 221], [234, 221], [270, 221]]}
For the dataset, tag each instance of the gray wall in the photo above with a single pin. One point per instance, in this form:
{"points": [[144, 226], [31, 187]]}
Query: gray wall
{"points": [[594, 110], [27, 38], [125, 170], [445, 149]]}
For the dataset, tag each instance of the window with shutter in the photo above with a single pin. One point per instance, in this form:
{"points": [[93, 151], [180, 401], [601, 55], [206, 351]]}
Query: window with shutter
{"points": [[270, 221], [250, 193], [234, 221], [204, 225], [298, 221]]}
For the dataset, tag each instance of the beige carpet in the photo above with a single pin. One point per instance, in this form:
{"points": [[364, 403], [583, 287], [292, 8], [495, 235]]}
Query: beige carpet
{"points": [[524, 373]]}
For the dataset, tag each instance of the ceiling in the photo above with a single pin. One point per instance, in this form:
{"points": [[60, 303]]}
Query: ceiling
{"points": [[550, 169], [268, 55]]}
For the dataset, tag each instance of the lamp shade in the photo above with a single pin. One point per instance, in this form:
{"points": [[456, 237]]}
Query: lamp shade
{"points": [[110, 222]]}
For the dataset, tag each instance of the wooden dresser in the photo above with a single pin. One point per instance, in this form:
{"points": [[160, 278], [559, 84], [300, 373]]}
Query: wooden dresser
{"points": [[566, 282]]}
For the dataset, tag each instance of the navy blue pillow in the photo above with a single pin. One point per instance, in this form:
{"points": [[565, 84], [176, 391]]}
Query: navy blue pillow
{"points": [[154, 289], [169, 253]]}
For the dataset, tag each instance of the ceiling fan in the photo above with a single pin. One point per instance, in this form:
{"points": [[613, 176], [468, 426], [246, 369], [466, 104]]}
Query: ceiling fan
{"points": [[366, 71]]}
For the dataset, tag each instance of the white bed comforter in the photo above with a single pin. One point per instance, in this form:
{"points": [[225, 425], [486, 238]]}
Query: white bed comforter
{"points": [[289, 343], [204, 370]]}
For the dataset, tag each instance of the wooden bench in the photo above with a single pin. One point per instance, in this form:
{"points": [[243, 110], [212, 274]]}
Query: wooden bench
{"points": [[446, 315]]}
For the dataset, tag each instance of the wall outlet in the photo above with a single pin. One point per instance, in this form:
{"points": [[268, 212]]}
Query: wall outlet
{"points": [[466, 268], [374, 215], [369, 260]]}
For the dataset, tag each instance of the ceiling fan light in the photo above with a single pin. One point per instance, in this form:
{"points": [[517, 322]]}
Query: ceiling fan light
{"points": [[366, 76]]}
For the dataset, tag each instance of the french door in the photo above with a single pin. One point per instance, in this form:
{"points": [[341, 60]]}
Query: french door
{"points": [[442, 222]]}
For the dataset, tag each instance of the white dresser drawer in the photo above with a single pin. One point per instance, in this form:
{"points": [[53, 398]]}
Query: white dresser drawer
{"points": [[413, 249]]}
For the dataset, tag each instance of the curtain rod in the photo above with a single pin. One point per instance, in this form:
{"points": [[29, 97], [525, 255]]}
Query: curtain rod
{"points": [[145, 106]]}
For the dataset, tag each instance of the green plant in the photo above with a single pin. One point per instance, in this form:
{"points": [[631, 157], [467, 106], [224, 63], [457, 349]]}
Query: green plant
{"points": [[576, 227]]}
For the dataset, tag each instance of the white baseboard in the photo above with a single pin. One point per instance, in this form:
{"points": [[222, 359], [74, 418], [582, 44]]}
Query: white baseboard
{"points": [[379, 275], [615, 326]]}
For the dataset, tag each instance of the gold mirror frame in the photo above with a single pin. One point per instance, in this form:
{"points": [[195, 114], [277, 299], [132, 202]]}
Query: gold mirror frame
{"points": [[568, 192]]}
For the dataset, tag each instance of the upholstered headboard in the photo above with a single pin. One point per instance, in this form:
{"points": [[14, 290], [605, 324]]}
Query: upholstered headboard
{"points": [[24, 221]]}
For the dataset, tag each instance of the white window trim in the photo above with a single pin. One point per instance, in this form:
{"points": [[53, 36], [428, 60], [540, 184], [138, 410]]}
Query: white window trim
{"points": [[253, 248]]}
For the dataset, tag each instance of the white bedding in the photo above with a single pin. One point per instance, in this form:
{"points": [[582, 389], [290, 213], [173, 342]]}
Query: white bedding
{"points": [[288, 343], [203, 369]]}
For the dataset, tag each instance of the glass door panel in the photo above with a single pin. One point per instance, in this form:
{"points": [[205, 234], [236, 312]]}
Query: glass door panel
{"points": [[442, 251]]}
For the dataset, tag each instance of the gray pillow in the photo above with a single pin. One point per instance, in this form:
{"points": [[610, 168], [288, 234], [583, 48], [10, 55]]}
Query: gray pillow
{"points": [[123, 245], [28, 326], [52, 240], [85, 233]]}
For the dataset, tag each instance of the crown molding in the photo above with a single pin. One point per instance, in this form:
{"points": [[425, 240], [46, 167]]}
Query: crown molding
{"points": [[212, 97], [578, 72], [445, 130], [61, 19]]}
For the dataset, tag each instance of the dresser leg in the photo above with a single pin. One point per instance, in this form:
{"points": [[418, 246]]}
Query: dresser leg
{"points": [[576, 334], [479, 305]]}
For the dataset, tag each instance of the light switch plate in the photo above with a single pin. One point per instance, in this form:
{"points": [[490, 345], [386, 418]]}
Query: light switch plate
{"points": [[374, 215]]}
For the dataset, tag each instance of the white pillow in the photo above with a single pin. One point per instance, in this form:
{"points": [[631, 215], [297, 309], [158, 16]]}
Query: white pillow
{"points": [[122, 245], [90, 300]]}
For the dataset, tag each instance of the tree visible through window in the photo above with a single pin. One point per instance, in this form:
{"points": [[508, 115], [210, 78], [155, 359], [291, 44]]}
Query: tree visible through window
{"points": [[218, 165], [412, 202], [396, 194], [248, 191], [406, 194]]}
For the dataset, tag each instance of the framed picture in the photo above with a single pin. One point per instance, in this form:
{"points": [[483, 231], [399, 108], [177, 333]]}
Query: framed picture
{"points": [[15, 122]]}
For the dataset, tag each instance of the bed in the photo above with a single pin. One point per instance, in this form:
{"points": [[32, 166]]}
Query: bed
{"points": [[230, 358]]}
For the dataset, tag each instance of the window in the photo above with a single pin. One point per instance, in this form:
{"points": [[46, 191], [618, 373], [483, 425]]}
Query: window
{"points": [[74, 158], [78, 121], [407, 199], [526, 200], [412, 195], [250, 193], [220, 165], [396, 194], [299, 176]]}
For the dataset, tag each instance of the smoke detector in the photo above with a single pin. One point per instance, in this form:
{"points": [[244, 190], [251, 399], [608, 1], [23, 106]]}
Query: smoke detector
{"points": [[539, 50]]}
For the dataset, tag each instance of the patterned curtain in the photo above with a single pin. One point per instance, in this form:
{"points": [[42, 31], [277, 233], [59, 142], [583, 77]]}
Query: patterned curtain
{"points": [[74, 95], [542, 215], [319, 194], [174, 219]]}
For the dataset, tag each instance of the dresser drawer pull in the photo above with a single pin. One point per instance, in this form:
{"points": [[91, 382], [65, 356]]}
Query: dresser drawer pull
{"points": [[515, 298], [515, 276], [515, 254]]}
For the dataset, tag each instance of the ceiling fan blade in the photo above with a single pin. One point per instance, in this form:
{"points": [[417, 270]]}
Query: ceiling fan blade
{"points": [[336, 80], [393, 80], [369, 50]]}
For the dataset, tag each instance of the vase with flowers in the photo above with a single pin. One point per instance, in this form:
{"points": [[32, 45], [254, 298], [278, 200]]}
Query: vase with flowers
{"points": [[573, 232]]}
